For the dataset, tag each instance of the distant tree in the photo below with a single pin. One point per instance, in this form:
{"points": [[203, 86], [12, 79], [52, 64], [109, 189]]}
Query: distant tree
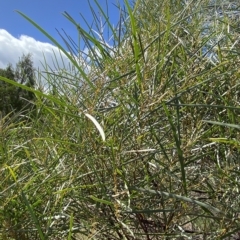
{"points": [[7, 91], [8, 72], [25, 72], [12, 98]]}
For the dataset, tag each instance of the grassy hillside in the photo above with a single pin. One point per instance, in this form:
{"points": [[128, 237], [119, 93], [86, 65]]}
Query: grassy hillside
{"points": [[139, 140]]}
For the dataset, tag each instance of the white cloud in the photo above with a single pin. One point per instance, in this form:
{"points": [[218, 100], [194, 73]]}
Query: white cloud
{"points": [[12, 48]]}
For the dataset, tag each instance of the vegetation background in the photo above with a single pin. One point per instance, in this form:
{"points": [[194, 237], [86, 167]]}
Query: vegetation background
{"points": [[139, 140], [14, 99]]}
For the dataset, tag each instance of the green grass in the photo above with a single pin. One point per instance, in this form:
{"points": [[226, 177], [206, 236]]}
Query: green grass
{"points": [[139, 142]]}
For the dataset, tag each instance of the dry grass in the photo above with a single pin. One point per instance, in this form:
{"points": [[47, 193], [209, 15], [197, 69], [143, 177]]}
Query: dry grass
{"points": [[169, 168]]}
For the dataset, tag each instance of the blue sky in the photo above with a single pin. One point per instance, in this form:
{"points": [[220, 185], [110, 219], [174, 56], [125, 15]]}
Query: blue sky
{"points": [[18, 35], [48, 14]]}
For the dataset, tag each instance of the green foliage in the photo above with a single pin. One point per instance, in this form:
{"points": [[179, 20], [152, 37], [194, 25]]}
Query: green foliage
{"points": [[12, 98], [139, 141]]}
